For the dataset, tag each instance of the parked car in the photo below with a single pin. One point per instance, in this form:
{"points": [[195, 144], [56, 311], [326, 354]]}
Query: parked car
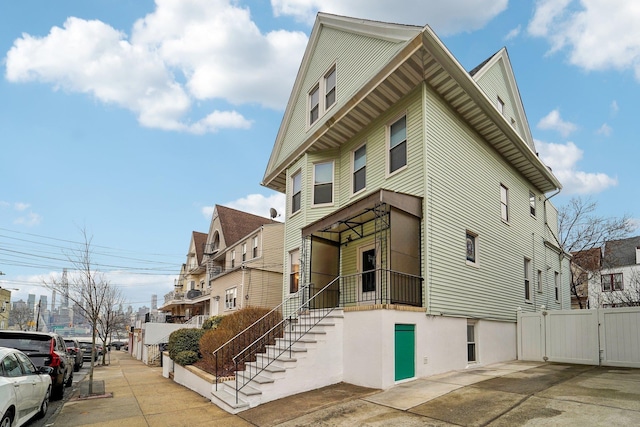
{"points": [[118, 344], [24, 389], [44, 349], [86, 348], [74, 349]]}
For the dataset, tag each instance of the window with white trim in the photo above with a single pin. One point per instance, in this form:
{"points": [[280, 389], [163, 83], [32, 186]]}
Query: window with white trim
{"points": [[556, 281], [296, 191], [230, 296], [323, 183], [325, 88], [397, 144], [233, 258], [294, 271], [527, 279], [314, 104], [359, 169], [244, 252], [471, 342], [500, 105], [330, 88], [255, 247], [532, 203], [539, 280], [504, 202]]}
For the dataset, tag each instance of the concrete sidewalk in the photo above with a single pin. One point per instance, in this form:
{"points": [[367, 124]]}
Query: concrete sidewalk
{"points": [[508, 394]]}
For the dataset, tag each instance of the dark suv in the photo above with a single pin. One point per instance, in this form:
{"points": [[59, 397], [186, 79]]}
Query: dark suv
{"points": [[76, 352], [44, 349]]}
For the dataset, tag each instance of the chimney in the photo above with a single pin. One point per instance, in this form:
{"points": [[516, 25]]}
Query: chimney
{"points": [[638, 255]]}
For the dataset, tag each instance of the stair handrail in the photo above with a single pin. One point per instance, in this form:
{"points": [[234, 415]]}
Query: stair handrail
{"points": [[242, 333], [251, 349]]}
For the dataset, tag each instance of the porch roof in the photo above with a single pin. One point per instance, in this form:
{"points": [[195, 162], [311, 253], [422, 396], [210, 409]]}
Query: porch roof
{"points": [[363, 210]]}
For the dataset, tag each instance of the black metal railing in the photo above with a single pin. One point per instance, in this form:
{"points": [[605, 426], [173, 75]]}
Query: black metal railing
{"points": [[381, 286]]}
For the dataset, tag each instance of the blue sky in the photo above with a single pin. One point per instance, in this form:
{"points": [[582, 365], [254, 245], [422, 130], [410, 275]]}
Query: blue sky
{"points": [[132, 118]]}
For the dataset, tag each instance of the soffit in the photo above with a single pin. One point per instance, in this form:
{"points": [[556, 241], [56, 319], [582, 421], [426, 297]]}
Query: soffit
{"points": [[424, 59]]}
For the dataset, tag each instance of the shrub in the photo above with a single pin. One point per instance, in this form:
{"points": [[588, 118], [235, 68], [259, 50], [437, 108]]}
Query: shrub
{"points": [[212, 322], [186, 357], [228, 328], [184, 340]]}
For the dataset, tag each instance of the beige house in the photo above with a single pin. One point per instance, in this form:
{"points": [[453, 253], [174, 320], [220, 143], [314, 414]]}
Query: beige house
{"points": [[190, 296], [243, 258]]}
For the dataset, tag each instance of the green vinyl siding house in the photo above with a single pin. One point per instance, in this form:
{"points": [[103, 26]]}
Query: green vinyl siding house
{"points": [[418, 211]]}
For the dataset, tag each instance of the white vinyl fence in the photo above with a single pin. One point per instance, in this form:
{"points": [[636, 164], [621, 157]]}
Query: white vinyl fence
{"points": [[608, 337]]}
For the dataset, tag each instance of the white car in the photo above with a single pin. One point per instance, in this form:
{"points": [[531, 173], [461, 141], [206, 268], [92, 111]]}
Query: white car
{"points": [[24, 389]]}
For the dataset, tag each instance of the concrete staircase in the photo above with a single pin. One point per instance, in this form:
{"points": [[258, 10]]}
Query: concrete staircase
{"points": [[313, 361]]}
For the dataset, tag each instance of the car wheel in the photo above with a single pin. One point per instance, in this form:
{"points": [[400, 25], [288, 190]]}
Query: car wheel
{"points": [[45, 403], [6, 420], [57, 392], [69, 382]]}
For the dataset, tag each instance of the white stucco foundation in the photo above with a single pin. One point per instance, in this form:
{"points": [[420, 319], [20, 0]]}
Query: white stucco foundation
{"points": [[440, 344]]}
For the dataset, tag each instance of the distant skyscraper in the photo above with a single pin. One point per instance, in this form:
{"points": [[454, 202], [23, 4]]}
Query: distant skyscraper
{"points": [[154, 302], [43, 303], [53, 300], [31, 302]]}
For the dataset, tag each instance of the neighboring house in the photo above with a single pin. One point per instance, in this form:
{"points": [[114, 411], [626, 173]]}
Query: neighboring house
{"points": [[190, 296], [243, 258], [585, 266], [416, 203], [618, 284]]}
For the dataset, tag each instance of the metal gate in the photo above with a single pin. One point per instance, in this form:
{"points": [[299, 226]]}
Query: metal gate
{"points": [[609, 337]]}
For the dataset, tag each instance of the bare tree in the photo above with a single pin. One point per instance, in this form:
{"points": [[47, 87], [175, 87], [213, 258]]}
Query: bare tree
{"points": [[21, 316], [110, 320], [87, 288], [582, 232]]}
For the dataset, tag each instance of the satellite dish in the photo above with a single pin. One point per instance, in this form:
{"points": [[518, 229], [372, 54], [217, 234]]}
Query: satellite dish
{"points": [[273, 213]]}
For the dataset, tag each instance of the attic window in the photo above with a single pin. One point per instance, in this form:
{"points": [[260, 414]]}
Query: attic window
{"points": [[500, 105], [325, 87]]}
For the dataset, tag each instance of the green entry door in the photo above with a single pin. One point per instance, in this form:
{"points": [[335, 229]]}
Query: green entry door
{"points": [[405, 350]]}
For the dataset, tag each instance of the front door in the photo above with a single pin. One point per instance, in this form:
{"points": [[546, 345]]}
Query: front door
{"points": [[368, 274]]}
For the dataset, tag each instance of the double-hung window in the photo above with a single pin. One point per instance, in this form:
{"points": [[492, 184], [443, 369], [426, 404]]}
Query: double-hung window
{"points": [[323, 183], [359, 169], [296, 191], [472, 248], [314, 104], [527, 279], [398, 144], [611, 282], [504, 202], [233, 258], [557, 285], [532, 203], [322, 96], [471, 342], [255, 247], [244, 252], [330, 88], [294, 271], [230, 296]]}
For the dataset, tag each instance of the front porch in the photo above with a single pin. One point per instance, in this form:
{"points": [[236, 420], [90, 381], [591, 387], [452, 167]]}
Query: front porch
{"points": [[368, 253]]}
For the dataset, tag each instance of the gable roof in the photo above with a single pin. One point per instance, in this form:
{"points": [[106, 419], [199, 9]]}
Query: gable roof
{"points": [[620, 253], [503, 56], [422, 58], [237, 224], [199, 240]]}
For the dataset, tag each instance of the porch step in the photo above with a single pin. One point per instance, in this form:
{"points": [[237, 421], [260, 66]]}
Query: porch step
{"points": [[227, 401], [281, 362]]}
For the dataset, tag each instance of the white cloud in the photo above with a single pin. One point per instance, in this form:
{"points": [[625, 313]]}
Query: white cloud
{"points": [[19, 206], [513, 33], [614, 108], [598, 34], [256, 204], [604, 130], [183, 51], [563, 160], [445, 18], [31, 219], [553, 121]]}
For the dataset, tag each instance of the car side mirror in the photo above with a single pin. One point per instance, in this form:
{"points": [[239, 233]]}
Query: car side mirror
{"points": [[45, 370]]}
